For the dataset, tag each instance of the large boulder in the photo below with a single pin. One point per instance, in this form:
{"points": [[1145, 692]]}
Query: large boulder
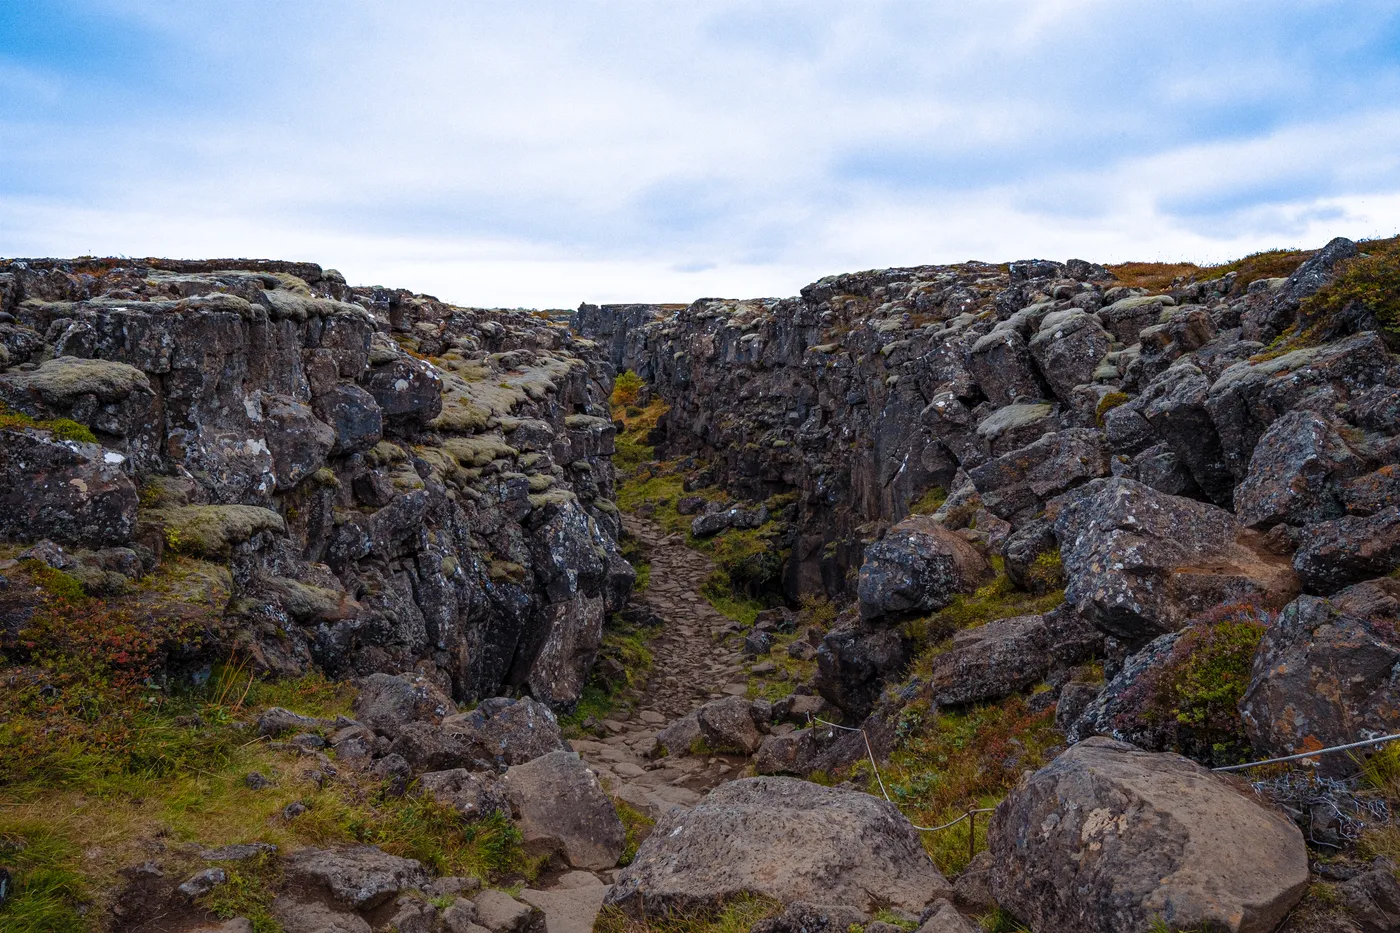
{"points": [[473, 795], [70, 492], [1127, 317], [353, 414], [1068, 348], [1140, 563], [1109, 839], [1347, 550], [991, 661], [354, 877], [298, 441], [511, 732], [1174, 404], [919, 566], [560, 806], [730, 725], [1016, 485], [1323, 676], [388, 702], [406, 390], [1248, 397], [1296, 473], [1003, 367], [785, 839]]}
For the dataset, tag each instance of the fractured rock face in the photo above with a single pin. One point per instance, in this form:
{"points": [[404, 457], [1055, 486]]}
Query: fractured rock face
{"points": [[1140, 563], [780, 838], [1323, 676], [68, 491], [1107, 838], [991, 661], [355, 877], [511, 731], [1296, 473]]}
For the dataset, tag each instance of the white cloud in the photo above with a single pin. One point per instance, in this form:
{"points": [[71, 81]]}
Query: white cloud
{"points": [[542, 154]]}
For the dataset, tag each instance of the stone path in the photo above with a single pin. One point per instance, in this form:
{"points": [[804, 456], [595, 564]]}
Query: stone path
{"points": [[693, 663]]}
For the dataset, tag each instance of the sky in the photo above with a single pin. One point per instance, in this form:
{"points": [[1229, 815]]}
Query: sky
{"points": [[533, 153]]}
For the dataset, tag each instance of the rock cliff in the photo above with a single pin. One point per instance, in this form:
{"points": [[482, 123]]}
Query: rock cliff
{"points": [[392, 482]]}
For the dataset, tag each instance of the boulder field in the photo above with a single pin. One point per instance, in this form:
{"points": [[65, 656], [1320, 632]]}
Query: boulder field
{"points": [[1026, 538]]}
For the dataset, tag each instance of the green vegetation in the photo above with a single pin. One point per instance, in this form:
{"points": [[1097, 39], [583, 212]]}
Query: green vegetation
{"points": [[999, 599], [247, 893], [625, 645], [1190, 701], [931, 501], [48, 888], [1371, 280], [637, 825], [737, 916], [62, 428], [999, 921], [1109, 402], [946, 763]]}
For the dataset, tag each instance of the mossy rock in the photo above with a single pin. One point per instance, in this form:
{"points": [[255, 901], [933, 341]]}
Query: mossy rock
{"points": [[213, 530], [63, 381], [479, 450]]}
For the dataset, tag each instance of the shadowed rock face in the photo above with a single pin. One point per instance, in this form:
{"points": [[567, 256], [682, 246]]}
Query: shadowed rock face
{"points": [[435, 479], [1106, 838]]}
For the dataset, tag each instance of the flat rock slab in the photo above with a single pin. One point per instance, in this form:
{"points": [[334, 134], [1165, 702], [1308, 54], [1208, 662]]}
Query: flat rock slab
{"points": [[568, 910]]}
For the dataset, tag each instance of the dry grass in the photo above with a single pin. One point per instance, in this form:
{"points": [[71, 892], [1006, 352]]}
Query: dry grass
{"points": [[1154, 276]]}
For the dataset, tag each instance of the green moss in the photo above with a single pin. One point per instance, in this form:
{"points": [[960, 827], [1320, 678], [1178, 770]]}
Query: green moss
{"points": [[931, 501], [1190, 702], [720, 593], [637, 826], [1109, 402], [999, 599], [62, 428], [213, 530], [1046, 574], [62, 586]]}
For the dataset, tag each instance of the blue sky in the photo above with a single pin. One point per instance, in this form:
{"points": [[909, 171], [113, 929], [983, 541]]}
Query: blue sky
{"points": [[544, 153]]}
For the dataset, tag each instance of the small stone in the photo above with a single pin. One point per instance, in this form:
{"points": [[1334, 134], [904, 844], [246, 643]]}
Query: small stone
{"points": [[765, 667], [256, 781], [293, 810], [202, 882]]}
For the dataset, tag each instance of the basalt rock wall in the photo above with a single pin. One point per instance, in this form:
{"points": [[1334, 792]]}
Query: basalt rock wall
{"points": [[391, 481]]}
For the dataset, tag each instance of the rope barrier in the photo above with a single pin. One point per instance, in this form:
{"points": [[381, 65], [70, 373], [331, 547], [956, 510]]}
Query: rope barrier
{"points": [[1378, 740], [874, 766]]}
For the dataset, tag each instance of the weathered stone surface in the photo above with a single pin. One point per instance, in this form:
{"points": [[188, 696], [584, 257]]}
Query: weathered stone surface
{"points": [[1016, 485], [1175, 405], [1106, 838], [388, 702], [1347, 550], [1124, 319], [70, 492], [355, 877], [946, 919], [679, 736], [353, 415], [728, 725], [1322, 677], [498, 912], [510, 731], [787, 753], [1067, 349], [918, 567], [1248, 397], [1012, 427], [813, 918], [991, 661], [474, 795], [310, 916], [298, 442], [1003, 367], [561, 807], [1296, 473], [781, 838], [1140, 563], [1372, 898]]}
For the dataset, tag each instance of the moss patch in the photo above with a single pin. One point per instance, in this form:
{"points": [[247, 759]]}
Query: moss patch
{"points": [[213, 530]]}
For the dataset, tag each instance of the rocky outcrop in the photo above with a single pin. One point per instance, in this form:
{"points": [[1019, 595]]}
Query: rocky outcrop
{"points": [[1326, 673], [1107, 839], [449, 466], [781, 838], [1140, 563]]}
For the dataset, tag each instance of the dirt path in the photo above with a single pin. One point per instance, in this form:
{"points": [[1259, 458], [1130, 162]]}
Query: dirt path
{"points": [[692, 664]]}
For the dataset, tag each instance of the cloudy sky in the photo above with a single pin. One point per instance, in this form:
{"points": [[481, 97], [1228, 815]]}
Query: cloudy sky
{"points": [[543, 153]]}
